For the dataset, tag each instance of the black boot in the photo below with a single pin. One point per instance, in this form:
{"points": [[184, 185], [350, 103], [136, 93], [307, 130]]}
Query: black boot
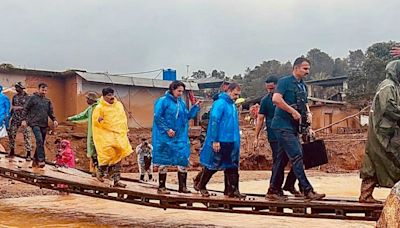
{"points": [[141, 177], [233, 181], [205, 178], [162, 178], [28, 156], [182, 176], [11, 154], [150, 177], [227, 188], [196, 180]]}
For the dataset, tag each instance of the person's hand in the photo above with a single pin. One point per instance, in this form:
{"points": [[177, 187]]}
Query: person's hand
{"points": [[255, 143], [23, 124], [171, 133], [198, 103], [296, 115], [311, 133], [100, 119], [395, 52], [216, 146], [55, 123], [309, 117]]}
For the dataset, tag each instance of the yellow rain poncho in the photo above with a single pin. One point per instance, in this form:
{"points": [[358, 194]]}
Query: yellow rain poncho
{"points": [[110, 135]]}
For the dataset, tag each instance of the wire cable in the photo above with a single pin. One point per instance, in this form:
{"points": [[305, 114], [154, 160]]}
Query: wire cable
{"points": [[119, 97]]}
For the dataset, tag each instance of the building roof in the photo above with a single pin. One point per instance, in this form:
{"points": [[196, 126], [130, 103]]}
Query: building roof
{"points": [[334, 81], [96, 77], [206, 83], [132, 81], [326, 101], [9, 69]]}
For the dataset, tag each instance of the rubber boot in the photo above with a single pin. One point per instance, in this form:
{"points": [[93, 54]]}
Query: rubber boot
{"points": [[101, 173], [233, 181], [182, 176], [141, 177], [28, 156], [117, 176], [367, 188], [227, 188], [205, 178], [11, 154], [162, 178], [196, 180]]}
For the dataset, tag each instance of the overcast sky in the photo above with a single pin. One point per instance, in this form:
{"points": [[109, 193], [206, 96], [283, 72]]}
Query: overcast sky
{"points": [[122, 36]]}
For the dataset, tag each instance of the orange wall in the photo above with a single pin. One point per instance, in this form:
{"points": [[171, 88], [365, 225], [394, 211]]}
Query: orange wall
{"points": [[138, 101], [56, 91], [339, 112], [68, 96]]}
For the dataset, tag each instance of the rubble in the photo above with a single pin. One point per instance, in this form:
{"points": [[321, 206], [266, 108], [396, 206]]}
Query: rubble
{"points": [[391, 211]]}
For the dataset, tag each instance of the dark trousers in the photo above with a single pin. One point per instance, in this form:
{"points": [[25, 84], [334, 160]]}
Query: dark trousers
{"points": [[40, 137], [290, 143], [279, 162], [225, 158]]}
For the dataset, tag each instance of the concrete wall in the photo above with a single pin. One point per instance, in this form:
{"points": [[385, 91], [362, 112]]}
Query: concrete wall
{"points": [[56, 91], [323, 115]]}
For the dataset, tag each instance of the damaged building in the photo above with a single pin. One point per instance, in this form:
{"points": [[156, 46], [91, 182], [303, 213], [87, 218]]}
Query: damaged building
{"points": [[67, 90]]}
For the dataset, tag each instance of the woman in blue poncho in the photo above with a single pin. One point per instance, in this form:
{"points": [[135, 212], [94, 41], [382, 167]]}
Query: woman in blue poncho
{"points": [[221, 150], [170, 139], [4, 113]]}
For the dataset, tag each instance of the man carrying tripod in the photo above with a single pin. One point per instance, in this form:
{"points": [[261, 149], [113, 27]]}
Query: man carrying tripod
{"points": [[291, 112]]}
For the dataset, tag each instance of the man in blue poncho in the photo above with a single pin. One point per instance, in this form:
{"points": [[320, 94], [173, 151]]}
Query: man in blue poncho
{"points": [[170, 139], [221, 150], [4, 111]]}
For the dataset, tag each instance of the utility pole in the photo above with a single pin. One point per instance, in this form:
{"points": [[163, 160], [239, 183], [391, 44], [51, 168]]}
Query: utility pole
{"points": [[187, 71]]}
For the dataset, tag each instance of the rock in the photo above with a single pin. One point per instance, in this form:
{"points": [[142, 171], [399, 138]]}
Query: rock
{"points": [[391, 211]]}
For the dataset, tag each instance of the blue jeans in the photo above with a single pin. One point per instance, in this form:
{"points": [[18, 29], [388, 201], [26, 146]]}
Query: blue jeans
{"points": [[290, 143], [40, 137], [279, 162]]}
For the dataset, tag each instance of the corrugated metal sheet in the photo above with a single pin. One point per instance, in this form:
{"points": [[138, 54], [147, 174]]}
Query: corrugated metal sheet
{"points": [[132, 81]]}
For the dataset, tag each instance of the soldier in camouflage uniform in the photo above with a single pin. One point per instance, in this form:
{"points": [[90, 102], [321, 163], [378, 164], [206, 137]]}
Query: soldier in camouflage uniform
{"points": [[18, 103]]}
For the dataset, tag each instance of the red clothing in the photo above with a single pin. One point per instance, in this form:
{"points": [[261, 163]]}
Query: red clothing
{"points": [[66, 156]]}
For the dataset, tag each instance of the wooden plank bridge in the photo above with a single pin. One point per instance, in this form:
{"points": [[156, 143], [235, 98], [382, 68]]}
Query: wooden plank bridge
{"points": [[136, 192]]}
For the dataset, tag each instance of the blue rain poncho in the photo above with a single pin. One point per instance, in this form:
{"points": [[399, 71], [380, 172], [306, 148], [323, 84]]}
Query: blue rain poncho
{"points": [[4, 108], [171, 113], [223, 127]]}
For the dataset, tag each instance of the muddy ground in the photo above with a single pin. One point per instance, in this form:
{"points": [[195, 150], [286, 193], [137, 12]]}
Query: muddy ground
{"points": [[345, 151]]}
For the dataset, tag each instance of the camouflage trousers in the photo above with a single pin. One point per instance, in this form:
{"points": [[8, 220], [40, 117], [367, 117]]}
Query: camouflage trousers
{"points": [[12, 133]]}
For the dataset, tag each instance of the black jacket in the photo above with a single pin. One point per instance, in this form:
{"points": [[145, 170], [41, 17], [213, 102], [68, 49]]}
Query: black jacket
{"points": [[37, 110]]}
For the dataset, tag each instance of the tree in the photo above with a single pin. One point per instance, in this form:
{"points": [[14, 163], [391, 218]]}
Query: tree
{"points": [[367, 71], [199, 74], [218, 74], [376, 58], [356, 76], [237, 78], [340, 67], [253, 80], [320, 62]]}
